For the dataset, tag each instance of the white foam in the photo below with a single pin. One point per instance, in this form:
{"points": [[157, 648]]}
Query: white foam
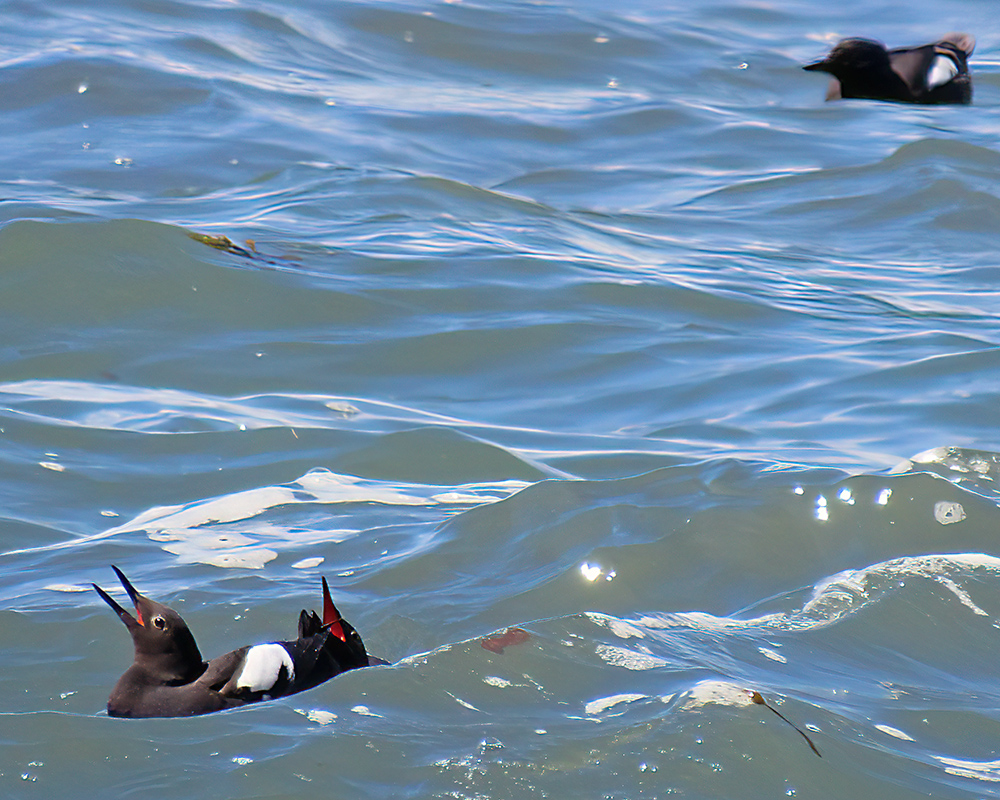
{"points": [[832, 599], [847, 591], [317, 715], [364, 711], [619, 627], [224, 531], [979, 770], [629, 659], [896, 732], [948, 512], [721, 693], [602, 704]]}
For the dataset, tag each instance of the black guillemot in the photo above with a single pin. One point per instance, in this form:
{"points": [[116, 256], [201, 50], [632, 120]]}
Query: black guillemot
{"points": [[168, 677], [930, 74]]}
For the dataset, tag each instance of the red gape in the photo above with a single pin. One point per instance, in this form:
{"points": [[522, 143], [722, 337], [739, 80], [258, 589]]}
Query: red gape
{"points": [[331, 617]]}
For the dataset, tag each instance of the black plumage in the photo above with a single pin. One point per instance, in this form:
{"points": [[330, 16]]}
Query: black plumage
{"points": [[169, 678], [930, 74]]}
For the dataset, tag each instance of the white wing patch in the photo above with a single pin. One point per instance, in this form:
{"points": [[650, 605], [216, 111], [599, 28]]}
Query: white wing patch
{"points": [[262, 667], [943, 69]]}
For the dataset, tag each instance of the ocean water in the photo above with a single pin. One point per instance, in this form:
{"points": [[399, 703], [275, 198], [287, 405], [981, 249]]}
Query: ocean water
{"points": [[592, 321]]}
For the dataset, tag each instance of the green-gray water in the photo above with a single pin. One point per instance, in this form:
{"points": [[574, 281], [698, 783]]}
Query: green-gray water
{"points": [[591, 321]]}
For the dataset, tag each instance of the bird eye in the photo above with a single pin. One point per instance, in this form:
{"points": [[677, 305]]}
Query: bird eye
{"points": [[159, 622]]}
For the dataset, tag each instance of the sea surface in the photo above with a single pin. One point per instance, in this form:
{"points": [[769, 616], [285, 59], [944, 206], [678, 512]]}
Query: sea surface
{"points": [[588, 320]]}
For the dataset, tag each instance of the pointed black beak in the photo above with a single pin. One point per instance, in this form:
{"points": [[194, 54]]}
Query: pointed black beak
{"points": [[124, 615], [132, 593], [819, 66]]}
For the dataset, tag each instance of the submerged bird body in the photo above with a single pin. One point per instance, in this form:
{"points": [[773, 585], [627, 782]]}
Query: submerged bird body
{"points": [[169, 678], [930, 74]]}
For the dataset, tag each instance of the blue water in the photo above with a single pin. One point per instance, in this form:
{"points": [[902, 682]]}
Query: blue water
{"points": [[592, 321]]}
